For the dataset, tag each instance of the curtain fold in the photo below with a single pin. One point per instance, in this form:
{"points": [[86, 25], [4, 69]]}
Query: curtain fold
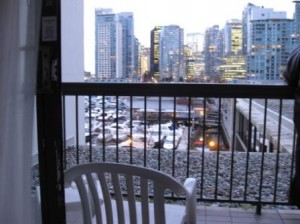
{"points": [[19, 35]]}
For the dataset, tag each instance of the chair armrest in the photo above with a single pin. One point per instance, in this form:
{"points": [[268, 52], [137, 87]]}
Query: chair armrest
{"points": [[191, 200], [190, 185]]}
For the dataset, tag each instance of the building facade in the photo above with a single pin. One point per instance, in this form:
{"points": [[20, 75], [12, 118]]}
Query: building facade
{"points": [[144, 61], [115, 45], [268, 38], [297, 16], [154, 52], [171, 58], [271, 42], [190, 73], [213, 52], [137, 57], [195, 41], [233, 64], [128, 43]]}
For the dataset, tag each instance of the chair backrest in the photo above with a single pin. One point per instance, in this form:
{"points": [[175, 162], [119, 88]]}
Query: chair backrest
{"points": [[121, 179]]}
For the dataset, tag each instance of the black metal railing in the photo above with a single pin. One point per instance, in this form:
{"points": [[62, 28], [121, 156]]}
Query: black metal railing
{"points": [[237, 140]]}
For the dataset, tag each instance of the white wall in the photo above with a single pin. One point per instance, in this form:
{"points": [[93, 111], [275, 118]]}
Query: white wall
{"points": [[73, 61]]}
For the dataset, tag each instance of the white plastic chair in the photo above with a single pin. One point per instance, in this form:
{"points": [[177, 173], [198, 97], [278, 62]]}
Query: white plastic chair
{"points": [[96, 181]]}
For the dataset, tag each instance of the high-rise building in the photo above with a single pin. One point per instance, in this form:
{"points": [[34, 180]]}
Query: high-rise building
{"points": [[171, 64], [213, 52], [189, 64], [195, 41], [233, 34], [297, 16], [128, 43], [154, 52], [199, 67], [115, 44], [137, 65], [251, 13], [194, 60], [271, 38], [233, 64], [108, 41], [247, 16], [232, 68], [271, 44], [144, 60], [268, 39]]}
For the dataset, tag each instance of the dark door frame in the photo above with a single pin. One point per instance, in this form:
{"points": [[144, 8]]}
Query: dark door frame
{"points": [[49, 115]]}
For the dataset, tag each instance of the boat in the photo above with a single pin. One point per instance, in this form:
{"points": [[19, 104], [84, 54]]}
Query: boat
{"points": [[165, 129], [118, 128], [129, 143], [171, 142], [119, 137], [107, 137]]}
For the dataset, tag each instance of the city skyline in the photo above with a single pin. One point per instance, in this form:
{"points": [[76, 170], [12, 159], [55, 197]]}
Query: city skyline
{"points": [[148, 14]]}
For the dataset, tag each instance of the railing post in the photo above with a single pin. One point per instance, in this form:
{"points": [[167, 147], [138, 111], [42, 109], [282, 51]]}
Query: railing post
{"points": [[258, 209]]}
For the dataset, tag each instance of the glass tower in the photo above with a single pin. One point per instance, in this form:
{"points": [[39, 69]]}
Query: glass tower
{"points": [[171, 65], [128, 43], [270, 38], [233, 63], [108, 45], [154, 52], [213, 52], [114, 44]]}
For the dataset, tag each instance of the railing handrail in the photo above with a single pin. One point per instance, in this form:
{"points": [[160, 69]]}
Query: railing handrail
{"points": [[180, 90]]}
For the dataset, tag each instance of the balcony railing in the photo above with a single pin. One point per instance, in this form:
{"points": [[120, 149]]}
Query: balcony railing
{"points": [[237, 140]]}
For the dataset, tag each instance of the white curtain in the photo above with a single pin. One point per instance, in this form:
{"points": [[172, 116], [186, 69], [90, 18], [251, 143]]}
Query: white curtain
{"points": [[19, 34]]}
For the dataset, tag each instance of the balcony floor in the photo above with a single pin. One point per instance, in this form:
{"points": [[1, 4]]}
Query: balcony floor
{"points": [[211, 215], [224, 215]]}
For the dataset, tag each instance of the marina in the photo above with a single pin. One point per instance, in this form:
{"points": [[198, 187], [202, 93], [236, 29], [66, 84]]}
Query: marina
{"points": [[154, 123], [187, 124]]}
